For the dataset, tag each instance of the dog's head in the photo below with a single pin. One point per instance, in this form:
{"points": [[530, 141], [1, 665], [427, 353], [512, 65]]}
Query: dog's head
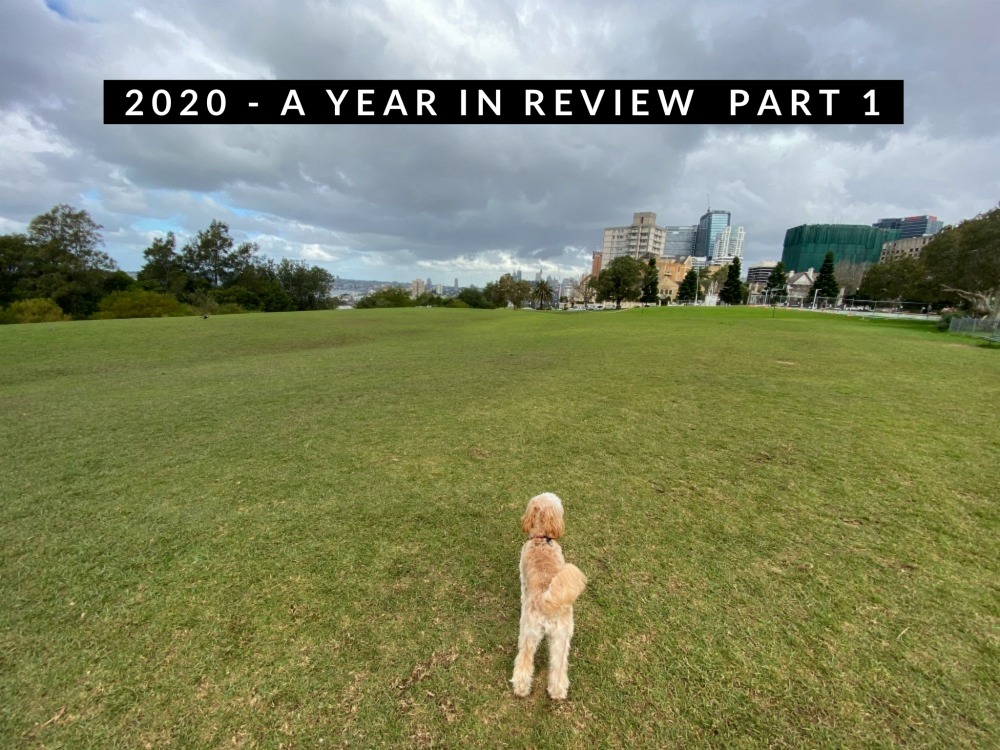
{"points": [[544, 516]]}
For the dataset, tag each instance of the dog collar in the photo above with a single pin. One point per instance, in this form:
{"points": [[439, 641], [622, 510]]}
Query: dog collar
{"points": [[548, 539]]}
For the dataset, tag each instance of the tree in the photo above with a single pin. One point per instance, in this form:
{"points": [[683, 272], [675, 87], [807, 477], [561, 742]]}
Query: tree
{"points": [[712, 283], [688, 289], [14, 262], [900, 279], [308, 287], [392, 296], [621, 280], [258, 280], [964, 260], [582, 290], [59, 259], [650, 283], [542, 293], [211, 255], [732, 290], [164, 269], [507, 290], [826, 285], [66, 230], [850, 275], [777, 282], [475, 298]]}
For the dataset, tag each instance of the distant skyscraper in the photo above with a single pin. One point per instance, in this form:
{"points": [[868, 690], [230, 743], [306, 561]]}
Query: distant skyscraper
{"points": [[728, 245], [888, 224], [918, 226], [679, 241], [711, 223], [912, 226], [456, 282], [416, 288]]}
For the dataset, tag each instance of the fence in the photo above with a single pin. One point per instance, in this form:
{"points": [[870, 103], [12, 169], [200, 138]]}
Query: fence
{"points": [[878, 308], [987, 328]]}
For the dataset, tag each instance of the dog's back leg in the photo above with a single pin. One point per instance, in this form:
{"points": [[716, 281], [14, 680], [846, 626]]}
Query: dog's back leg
{"points": [[524, 664], [559, 640]]}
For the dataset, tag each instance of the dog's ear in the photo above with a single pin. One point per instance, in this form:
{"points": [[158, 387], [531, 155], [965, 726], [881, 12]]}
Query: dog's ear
{"points": [[526, 518]]}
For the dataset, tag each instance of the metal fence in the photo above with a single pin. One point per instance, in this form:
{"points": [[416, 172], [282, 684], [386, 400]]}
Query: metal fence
{"points": [[987, 328], [868, 307]]}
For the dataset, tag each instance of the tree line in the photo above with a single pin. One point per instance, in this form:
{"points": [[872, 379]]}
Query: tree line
{"points": [[57, 270], [960, 267]]}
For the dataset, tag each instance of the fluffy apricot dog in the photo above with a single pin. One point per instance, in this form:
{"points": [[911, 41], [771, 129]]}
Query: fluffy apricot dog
{"points": [[549, 586]]}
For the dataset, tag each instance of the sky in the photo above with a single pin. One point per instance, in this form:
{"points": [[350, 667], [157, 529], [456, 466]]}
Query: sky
{"points": [[399, 202]]}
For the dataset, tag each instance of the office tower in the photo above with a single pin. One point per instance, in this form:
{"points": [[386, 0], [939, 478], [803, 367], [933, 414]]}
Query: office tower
{"points": [[728, 245], [679, 241], [709, 226]]}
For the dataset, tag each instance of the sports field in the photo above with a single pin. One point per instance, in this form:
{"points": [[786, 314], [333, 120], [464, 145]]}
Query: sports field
{"points": [[301, 530]]}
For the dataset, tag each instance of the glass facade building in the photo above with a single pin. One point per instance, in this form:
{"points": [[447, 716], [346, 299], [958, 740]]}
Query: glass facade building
{"points": [[806, 245], [711, 223], [679, 241], [912, 226]]}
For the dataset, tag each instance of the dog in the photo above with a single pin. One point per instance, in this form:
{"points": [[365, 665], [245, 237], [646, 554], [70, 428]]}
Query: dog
{"points": [[549, 586]]}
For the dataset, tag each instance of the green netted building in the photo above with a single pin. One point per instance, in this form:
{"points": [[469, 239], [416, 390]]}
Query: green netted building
{"points": [[807, 245]]}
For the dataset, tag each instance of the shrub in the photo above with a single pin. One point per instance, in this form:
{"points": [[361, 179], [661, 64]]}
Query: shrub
{"points": [[944, 322], [33, 311], [139, 303], [239, 296]]}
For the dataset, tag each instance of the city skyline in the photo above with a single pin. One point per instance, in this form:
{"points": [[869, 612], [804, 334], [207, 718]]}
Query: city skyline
{"points": [[408, 202]]}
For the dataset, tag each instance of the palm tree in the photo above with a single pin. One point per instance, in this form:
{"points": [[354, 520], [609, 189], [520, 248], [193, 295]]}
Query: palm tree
{"points": [[542, 293]]}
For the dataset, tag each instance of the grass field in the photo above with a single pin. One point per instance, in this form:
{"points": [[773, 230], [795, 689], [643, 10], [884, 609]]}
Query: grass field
{"points": [[301, 530]]}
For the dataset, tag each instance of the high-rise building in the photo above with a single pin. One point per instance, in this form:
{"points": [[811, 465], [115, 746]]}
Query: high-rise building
{"points": [[639, 239], [920, 226], [417, 288], [888, 224], [709, 226], [806, 245], [679, 241], [729, 245], [912, 226]]}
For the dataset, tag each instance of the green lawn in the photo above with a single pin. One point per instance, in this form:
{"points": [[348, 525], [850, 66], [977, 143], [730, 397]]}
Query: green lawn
{"points": [[301, 530]]}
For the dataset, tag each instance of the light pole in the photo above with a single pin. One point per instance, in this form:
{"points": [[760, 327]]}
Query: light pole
{"points": [[697, 284]]}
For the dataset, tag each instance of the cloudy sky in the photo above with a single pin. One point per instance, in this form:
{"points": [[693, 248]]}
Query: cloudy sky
{"points": [[474, 201]]}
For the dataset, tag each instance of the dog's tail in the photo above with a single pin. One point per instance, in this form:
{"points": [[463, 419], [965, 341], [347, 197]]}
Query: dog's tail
{"points": [[566, 586]]}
